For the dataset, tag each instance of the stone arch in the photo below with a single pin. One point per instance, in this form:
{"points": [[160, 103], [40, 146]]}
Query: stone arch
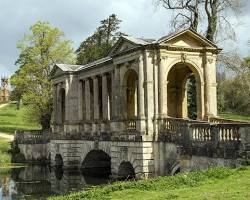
{"points": [[130, 94], [58, 160], [62, 99], [126, 170], [176, 79], [190, 63], [97, 163], [175, 169]]}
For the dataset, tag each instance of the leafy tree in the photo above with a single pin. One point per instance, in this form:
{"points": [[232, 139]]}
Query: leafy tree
{"points": [[39, 51], [237, 84], [98, 44]]}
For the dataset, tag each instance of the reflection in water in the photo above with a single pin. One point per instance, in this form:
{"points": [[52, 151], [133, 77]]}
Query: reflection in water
{"points": [[36, 181]]}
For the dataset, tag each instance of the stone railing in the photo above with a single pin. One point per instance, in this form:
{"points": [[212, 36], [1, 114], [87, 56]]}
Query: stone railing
{"points": [[32, 136], [205, 138], [130, 125], [174, 129], [220, 132]]}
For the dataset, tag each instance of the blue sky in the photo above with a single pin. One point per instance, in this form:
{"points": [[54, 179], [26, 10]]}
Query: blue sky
{"points": [[79, 18]]}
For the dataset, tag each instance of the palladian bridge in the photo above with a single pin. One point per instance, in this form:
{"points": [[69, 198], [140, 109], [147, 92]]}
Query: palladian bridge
{"points": [[128, 112]]}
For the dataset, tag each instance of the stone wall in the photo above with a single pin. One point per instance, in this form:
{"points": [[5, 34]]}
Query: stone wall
{"points": [[35, 152]]}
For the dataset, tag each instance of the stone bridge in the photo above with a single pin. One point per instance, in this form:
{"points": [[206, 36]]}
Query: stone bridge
{"points": [[182, 145], [127, 114]]}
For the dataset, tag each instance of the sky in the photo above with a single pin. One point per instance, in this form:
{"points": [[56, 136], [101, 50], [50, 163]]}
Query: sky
{"points": [[79, 19]]}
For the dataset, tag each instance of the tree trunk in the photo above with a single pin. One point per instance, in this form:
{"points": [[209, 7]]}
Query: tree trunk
{"points": [[45, 121], [212, 15]]}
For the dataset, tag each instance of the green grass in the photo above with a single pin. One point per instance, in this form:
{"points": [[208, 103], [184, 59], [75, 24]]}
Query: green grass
{"points": [[233, 116], [216, 183], [12, 119], [5, 157]]}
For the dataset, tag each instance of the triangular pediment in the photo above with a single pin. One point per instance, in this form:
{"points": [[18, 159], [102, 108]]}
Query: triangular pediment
{"points": [[187, 38], [56, 71], [126, 43]]}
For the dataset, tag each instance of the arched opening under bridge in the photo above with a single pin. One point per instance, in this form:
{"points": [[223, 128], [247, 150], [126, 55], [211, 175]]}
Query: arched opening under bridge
{"points": [[97, 163]]}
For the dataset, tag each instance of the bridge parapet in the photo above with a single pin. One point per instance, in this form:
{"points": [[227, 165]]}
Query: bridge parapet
{"points": [[207, 139], [32, 136]]}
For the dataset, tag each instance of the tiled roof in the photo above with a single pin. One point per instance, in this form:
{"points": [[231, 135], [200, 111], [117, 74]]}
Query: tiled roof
{"points": [[68, 68], [140, 41]]}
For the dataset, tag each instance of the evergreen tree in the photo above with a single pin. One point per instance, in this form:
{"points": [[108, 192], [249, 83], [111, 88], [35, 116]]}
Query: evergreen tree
{"points": [[100, 42]]}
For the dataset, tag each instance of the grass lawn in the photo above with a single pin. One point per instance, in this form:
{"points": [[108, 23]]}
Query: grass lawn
{"points": [[216, 183], [5, 157], [12, 119], [235, 116]]}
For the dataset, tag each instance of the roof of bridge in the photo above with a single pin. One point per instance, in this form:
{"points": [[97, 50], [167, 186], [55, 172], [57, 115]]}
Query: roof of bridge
{"points": [[130, 43]]}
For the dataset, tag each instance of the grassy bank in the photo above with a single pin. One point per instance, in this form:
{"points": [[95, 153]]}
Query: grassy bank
{"points": [[5, 157], [12, 119], [235, 116], [217, 183]]}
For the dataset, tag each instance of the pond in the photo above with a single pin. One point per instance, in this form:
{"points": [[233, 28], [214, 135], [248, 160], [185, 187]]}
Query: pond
{"points": [[40, 181]]}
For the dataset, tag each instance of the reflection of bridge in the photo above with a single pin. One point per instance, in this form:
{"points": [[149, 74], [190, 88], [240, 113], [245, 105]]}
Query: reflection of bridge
{"points": [[127, 112]]}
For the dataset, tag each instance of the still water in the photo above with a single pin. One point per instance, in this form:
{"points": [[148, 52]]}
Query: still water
{"points": [[39, 182]]}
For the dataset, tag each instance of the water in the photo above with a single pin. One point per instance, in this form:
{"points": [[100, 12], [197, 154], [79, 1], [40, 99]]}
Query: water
{"points": [[38, 182]]}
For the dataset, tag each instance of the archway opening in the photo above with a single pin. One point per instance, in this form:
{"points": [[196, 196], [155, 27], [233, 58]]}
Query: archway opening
{"points": [[58, 160], [191, 97], [183, 84], [97, 163], [126, 171], [130, 84], [62, 104]]}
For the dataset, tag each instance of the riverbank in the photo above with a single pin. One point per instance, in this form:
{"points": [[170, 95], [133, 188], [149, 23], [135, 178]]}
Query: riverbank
{"points": [[5, 156], [216, 183]]}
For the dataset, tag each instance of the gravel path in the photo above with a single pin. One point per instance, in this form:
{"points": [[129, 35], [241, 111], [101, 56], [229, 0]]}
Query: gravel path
{"points": [[4, 135], [2, 105], [7, 136]]}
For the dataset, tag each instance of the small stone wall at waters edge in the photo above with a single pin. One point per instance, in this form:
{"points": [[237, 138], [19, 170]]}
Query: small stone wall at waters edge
{"points": [[34, 145]]}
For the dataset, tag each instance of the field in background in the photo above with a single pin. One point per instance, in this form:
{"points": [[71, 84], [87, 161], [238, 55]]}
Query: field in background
{"points": [[235, 116], [12, 119]]}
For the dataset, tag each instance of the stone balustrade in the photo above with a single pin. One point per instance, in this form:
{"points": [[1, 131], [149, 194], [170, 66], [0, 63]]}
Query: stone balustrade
{"points": [[206, 138], [199, 136]]}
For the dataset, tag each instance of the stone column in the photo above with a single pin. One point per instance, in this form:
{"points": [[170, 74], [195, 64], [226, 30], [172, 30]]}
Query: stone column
{"points": [[141, 110], [57, 107], [156, 93], [67, 98], [113, 112], [96, 98], [117, 92], [210, 86], [80, 100], [105, 111], [87, 99], [162, 89], [149, 97]]}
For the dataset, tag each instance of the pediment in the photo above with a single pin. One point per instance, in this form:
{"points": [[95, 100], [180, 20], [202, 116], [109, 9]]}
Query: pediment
{"points": [[188, 39], [123, 44], [56, 71]]}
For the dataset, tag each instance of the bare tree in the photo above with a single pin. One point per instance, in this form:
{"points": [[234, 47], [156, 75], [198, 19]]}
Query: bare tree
{"points": [[217, 12], [188, 13]]}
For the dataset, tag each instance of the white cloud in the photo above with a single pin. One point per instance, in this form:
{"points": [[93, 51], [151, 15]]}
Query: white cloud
{"points": [[79, 18]]}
